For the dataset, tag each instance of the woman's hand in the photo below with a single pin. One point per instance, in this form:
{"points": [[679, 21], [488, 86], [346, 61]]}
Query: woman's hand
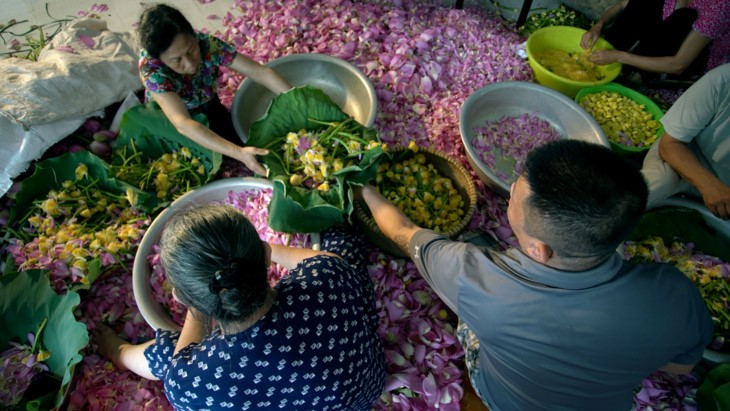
{"points": [[590, 37], [603, 57], [247, 155]]}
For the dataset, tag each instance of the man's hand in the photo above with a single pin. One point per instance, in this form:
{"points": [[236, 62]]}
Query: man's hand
{"points": [[717, 200], [247, 155]]}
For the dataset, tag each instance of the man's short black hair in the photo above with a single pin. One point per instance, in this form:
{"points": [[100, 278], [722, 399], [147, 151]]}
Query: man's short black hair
{"points": [[585, 199]]}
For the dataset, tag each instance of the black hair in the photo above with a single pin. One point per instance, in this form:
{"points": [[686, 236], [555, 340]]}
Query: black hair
{"points": [[216, 261], [158, 27], [585, 199]]}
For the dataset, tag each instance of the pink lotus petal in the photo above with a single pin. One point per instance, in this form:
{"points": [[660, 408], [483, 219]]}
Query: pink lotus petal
{"points": [[88, 41]]}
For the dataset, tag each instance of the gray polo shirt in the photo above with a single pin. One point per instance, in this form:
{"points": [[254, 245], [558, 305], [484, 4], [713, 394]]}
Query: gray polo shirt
{"points": [[558, 340], [701, 118]]}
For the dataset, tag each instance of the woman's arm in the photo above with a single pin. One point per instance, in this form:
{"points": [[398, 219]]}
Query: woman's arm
{"points": [[691, 47], [715, 193], [193, 330], [260, 74], [179, 116], [591, 36], [289, 257]]}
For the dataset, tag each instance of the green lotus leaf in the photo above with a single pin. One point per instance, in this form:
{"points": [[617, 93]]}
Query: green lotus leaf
{"points": [[26, 300], [51, 173], [300, 209]]}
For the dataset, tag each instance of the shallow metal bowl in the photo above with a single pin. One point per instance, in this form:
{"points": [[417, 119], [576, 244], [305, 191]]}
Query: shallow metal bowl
{"points": [[151, 310], [344, 83], [514, 98]]}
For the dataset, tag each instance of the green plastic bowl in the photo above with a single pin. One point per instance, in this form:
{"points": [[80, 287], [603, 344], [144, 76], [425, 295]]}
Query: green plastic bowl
{"points": [[649, 105], [565, 38]]}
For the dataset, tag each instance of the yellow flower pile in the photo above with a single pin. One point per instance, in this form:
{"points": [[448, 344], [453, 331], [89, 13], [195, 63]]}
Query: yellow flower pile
{"points": [[313, 157], [709, 274], [623, 120], [417, 188], [75, 225], [170, 176]]}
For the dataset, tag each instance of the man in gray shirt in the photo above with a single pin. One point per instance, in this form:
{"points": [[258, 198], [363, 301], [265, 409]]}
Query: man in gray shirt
{"points": [[563, 322]]}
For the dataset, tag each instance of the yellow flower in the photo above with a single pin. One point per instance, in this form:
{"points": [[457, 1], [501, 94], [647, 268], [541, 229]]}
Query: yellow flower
{"points": [[200, 170], [185, 152], [292, 139], [50, 207], [372, 145], [323, 187], [79, 253], [131, 198], [295, 179], [81, 171], [95, 245], [318, 177], [43, 355], [324, 169], [162, 182], [85, 213], [114, 247], [79, 263], [309, 170], [413, 146], [353, 145], [35, 221], [336, 165]]}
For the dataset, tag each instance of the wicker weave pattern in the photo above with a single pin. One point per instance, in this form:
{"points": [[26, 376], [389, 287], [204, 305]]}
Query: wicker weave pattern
{"points": [[448, 167]]}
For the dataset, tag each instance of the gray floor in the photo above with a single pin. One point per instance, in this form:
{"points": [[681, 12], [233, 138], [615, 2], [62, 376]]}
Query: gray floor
{"points": [[121, 15]]}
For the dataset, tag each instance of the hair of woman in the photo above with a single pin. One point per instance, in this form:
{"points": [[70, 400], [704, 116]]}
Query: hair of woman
{"points": [[158, 27], [216, 261], [585, 199]]}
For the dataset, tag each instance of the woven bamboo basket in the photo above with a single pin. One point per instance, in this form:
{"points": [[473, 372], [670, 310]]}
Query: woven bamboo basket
{"points": [[448, 167]]}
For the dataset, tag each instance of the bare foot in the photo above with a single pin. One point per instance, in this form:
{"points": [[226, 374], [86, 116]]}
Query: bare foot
{"points": [[109, 344]]}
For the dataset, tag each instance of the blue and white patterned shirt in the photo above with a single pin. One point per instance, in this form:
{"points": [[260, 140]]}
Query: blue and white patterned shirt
{"points": [[316, 349]]}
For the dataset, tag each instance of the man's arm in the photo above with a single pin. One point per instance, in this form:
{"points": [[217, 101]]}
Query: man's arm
{"points": [[715, 193], [391, 221]]}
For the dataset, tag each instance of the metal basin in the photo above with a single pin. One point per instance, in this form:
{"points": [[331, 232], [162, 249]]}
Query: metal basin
{"points": [[344, 83], [151, 310], [514, 98]]}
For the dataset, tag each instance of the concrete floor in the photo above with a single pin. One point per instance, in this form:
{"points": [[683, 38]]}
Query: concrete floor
{"points": [[121, 16]]}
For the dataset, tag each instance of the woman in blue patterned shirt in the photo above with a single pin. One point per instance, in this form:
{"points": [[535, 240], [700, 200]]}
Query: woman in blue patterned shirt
{"points": [[179, 68], [309, 343]]}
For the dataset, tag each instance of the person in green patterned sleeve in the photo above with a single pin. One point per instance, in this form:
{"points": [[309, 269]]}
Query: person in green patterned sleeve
{"points": [[179, 68]]}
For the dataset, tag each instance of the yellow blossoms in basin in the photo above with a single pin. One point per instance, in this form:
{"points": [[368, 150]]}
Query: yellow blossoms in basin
{"points": [[418, 189]]}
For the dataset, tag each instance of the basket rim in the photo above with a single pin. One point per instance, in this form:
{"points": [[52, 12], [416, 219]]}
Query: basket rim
{"points": [[470, 189]]}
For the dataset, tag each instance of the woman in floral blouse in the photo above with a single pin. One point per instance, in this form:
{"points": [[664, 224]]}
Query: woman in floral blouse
{"points": [[179, 69]]}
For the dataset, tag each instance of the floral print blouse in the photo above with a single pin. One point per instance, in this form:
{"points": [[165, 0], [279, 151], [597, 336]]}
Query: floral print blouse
{"points": [[713, 21], [195, 90]]}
